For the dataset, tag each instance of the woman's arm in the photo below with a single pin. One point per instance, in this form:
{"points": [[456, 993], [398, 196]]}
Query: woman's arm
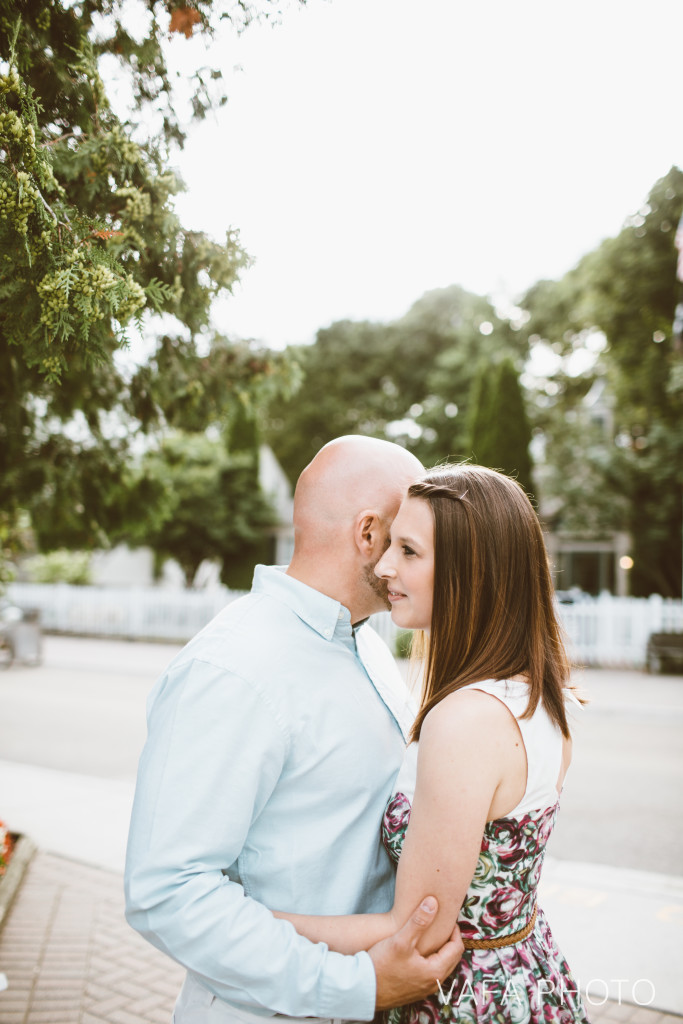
{"points": [[343, 934], [464, 752]]}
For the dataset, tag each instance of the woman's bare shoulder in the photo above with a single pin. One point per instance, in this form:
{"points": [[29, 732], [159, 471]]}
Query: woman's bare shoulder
{"points": [[461, 712]]}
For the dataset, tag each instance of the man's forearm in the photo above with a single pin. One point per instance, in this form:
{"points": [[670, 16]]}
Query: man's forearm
{"points": [[263, 964]]}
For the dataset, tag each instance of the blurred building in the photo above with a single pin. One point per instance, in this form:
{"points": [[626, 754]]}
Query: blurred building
{"points": [[586, 562], [591, 565]]}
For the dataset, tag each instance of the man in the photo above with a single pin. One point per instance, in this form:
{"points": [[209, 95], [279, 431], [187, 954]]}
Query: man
{"points": [[274, 739]]}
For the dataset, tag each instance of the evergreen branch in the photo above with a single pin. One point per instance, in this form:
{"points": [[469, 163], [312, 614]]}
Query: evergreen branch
{"points": [[48, 143], [48, 208]]}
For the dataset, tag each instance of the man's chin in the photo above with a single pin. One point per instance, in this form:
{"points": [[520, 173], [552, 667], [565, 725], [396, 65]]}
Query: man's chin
{"points": [[380, 591]]}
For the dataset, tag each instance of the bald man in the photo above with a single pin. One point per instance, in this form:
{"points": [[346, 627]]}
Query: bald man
{"points": [[273, 741]]}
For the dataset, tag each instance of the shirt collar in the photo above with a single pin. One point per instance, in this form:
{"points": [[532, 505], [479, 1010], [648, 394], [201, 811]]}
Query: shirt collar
{"points": [[326, 616]]}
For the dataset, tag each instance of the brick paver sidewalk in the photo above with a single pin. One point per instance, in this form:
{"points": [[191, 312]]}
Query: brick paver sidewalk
{"points": [[70, 957]]}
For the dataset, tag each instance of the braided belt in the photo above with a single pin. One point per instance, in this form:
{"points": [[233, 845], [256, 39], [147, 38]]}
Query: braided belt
{"points": [[504, 940]]}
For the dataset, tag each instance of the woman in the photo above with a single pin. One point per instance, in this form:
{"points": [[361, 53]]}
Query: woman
{"points": [[476, 799]]}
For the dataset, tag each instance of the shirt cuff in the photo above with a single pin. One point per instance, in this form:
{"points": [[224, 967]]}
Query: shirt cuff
{"points": [[349, 990]]}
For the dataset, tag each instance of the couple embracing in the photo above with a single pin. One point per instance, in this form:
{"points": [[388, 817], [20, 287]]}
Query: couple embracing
{"points": [[305, 841]]}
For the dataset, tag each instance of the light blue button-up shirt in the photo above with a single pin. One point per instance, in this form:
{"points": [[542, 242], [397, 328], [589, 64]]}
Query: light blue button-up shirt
{"points": [[274, 738]]}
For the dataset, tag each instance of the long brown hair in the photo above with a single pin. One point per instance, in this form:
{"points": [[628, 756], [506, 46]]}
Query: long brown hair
{"points": [[493, 613]]}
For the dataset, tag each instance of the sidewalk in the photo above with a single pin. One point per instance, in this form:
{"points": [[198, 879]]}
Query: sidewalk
{"points": [[70, 957]]}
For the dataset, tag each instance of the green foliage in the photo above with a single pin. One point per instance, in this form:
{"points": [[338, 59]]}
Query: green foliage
{"points": [[60, 566], [472, 334], [500, 432], [9, 545], [90, 243], [348, 388], [50, 297], [408, 380], [627, 471], [212, 507], [135, 36], [403, 644], [60, 283], [649, 481], [184, 389]]}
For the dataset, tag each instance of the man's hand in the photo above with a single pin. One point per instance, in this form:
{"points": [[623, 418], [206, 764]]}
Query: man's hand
{"points": [[403, 974]]}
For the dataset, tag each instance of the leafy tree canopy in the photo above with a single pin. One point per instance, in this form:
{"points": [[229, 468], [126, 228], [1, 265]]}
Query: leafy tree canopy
{"points": [[631, 463], [408, 380], [90, 244]]}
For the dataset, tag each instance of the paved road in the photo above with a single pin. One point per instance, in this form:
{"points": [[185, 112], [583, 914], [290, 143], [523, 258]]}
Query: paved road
{"points": [[622, 800], [83, 711]]}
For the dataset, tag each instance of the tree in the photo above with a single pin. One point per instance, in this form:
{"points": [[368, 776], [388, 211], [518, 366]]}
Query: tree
{"points": [[347, 388], [500, 433], [211, 507], [89, 243], [408, 380], [472, 333], [626, 291]]}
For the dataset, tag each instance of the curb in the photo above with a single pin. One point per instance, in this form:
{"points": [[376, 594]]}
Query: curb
{"points": [[24, 849]]}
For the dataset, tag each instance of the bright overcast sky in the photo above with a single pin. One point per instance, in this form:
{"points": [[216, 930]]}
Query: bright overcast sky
{"points": [[374, 149]]}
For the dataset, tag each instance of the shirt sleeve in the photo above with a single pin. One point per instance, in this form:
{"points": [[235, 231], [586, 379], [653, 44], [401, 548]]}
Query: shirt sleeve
{"points": [[214, 753]]}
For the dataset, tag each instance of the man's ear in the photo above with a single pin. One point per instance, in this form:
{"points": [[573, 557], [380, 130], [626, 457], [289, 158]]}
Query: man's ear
{"points": [[368, 534]]}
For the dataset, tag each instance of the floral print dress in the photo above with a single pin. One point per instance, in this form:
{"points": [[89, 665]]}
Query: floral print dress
{"points": [[530, 980]]}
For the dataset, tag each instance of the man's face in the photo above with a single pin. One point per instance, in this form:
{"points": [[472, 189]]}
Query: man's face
{"points": [[375, 586]]}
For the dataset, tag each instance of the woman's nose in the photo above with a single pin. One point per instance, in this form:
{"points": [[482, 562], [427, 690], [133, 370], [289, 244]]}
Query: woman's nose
{"points": [[383, 568]]}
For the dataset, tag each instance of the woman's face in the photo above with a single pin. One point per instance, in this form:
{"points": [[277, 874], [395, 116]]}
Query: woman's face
{"points": [[407, 565]]}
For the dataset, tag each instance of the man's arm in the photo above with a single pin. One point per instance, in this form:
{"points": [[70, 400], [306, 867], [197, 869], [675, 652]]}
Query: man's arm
{"points": [[403, 974], [214, 754]]}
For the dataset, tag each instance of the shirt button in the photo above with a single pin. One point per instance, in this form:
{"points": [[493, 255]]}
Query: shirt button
{"points": [[341, 615], [328, 632]]}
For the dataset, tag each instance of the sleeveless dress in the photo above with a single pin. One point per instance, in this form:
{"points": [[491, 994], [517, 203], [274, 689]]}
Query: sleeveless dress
{"points": [[529, 981]]}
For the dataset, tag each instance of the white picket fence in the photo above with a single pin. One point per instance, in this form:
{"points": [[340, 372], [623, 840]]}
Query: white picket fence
{"points": [[608, 631], [613, 631], [134, 613]]}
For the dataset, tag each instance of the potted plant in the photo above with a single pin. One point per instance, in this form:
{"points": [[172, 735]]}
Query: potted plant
{"points": [[15, 854]]}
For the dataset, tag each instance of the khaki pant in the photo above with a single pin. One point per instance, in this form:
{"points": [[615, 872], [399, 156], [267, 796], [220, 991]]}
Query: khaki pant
{"points": [[196, 1005]]}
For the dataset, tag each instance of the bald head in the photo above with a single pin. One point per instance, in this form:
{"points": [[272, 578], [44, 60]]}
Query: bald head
{"points": [[344, 504], [348, 475]]}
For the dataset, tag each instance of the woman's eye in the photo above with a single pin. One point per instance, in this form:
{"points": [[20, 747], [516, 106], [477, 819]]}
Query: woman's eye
{"points": [[407, 550]]}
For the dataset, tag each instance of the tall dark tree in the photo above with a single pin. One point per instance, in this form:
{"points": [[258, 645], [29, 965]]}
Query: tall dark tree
{"points": [[500, 432]]}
